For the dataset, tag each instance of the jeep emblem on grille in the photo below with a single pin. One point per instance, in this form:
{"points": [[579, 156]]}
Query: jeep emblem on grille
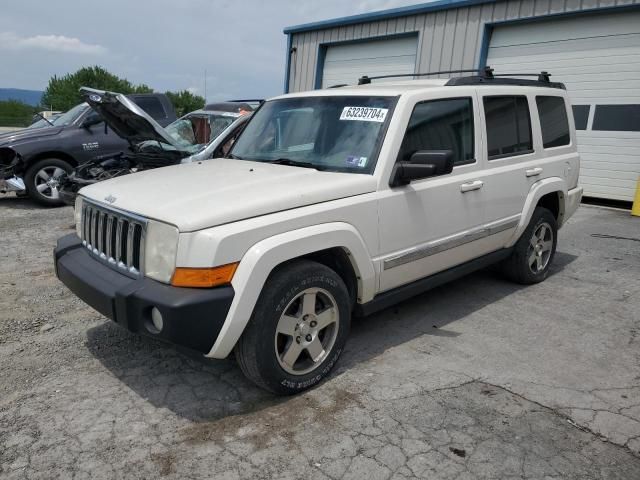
{"points": [[110, 199]]}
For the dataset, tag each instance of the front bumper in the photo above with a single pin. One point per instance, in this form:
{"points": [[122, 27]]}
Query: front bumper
{"points": [[192, 317]]}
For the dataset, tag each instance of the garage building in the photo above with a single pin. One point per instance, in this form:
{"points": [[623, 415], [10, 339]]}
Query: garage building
{"points": [[593, 46]]}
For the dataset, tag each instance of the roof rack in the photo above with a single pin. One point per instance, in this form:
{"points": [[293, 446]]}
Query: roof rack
{"points": [[365, 80], [485, 76]]}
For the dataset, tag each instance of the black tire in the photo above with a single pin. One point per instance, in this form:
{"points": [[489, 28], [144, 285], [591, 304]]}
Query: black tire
{"points": [[257, 351], [518, 266], [49, 197]]}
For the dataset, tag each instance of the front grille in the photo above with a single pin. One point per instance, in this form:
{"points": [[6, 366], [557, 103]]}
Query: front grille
{"points": [[113, 236]]}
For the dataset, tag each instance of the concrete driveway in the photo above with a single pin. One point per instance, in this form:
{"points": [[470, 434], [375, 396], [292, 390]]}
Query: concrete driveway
{"points": [[477, 379]]}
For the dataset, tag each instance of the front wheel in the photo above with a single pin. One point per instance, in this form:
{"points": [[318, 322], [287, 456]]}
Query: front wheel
{"points": [[298, 329], [43, 181], [534, 251]]}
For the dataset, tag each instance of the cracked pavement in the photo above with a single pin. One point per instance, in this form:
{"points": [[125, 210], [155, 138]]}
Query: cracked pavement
{"points": [[479, 378]]}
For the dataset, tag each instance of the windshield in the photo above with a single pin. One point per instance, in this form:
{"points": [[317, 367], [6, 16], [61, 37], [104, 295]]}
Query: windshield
{"points": [[340, 134], [70, 116], [195, 130], [41, 123]]}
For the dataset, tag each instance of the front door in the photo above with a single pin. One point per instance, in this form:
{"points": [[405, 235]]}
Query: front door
{"points": [[435, 223]]}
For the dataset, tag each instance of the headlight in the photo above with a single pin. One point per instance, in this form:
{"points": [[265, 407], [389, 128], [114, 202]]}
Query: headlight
{"points": [[77, 215], [160, 249]]}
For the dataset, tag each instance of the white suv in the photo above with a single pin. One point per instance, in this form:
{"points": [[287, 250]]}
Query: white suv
{"points": [[331, 203]]}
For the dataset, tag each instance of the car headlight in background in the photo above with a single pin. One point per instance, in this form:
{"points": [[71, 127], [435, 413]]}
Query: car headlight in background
{"points": [[77, 215], [161, 246]]}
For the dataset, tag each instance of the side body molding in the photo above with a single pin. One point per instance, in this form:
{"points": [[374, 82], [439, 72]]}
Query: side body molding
{"points": [[259, 261], [538, 190]]}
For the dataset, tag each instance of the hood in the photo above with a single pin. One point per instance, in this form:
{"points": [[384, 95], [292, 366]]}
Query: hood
{"points": [[11, 138], [199, 195], [126, 118]]}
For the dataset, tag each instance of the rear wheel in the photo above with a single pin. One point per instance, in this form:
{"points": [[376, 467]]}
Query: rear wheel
{"points": [[298, 329], [534, 251], [43, 181]]}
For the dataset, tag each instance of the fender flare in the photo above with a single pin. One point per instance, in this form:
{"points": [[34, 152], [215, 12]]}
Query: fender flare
{"points": [[260, 260], [537, 191]]}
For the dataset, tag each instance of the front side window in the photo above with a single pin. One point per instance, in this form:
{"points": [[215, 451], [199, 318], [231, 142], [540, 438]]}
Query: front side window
{"points": [[508, 126], [441, 125], [553, 121], [337, 133]]}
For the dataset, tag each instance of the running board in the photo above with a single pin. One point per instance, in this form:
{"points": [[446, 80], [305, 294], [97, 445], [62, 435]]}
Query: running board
{"points": [[399, 294]]}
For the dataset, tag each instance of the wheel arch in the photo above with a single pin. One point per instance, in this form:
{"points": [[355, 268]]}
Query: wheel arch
{"points": [[34, 158], [337, 245], [549, 193]]}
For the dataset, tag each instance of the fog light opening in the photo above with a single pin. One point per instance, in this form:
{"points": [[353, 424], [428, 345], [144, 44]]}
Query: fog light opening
{"points": [[157, 323]]}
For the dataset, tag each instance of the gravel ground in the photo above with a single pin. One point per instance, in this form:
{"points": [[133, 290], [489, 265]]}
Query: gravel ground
{"points": [[476, 379]]}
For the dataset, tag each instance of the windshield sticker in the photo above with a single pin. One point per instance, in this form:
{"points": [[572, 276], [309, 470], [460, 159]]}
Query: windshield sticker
{"points": [[354, 161], [364, 114]]}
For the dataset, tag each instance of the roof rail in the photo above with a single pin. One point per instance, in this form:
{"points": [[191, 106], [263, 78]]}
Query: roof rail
{"points": [[485, 72], [485, 76], [250, 100]]}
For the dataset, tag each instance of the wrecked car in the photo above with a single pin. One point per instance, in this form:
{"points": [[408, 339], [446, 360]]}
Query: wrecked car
{"points": [[32, 160], [199, 135]]}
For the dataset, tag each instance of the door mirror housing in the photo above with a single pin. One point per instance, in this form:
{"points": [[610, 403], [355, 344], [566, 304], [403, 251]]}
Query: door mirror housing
{"points": [[422, 164]]}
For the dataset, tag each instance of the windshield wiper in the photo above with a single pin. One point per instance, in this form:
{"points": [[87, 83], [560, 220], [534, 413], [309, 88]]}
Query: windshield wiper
{"points": [[293, 163], [44, 118], [235, 157]]}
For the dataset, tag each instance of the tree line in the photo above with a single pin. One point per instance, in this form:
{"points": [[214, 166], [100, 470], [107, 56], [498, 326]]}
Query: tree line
{"points": [[62, 94]]}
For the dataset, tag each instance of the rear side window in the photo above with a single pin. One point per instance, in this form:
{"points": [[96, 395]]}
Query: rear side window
{"points": [[441, 125], [581, 116], [152, 106], [508, 126], [617, 118], [553, 121]]}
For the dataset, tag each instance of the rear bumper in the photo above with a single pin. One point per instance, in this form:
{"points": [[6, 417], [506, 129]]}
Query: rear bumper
{"points": [[192, 317], [572, 202]]}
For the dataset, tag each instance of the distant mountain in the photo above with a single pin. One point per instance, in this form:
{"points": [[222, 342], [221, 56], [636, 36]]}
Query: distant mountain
{"points": [[30, 97]]}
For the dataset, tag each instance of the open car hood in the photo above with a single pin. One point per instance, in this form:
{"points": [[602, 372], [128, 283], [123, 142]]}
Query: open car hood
{"points": [[126, 118]]}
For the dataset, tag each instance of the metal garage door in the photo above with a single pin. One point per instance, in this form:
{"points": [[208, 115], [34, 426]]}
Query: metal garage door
{"points": [[598, 58], [346, 63]]}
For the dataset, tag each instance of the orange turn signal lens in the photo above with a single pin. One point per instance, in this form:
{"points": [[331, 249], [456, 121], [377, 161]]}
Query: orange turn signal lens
{"points": [[203, 277]]}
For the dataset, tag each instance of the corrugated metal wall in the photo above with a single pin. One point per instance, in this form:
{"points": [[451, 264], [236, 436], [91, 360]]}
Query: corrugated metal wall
{"points": [[448, 39]]}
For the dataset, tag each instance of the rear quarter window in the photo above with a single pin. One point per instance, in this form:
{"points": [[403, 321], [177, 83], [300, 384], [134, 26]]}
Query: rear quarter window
{"points": [[554, 122]]}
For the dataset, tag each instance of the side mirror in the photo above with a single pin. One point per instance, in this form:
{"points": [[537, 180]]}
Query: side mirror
{"points": [[422, 164]]}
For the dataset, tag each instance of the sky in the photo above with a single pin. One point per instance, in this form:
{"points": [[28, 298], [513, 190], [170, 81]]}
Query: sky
{"points": [[165, 44]]}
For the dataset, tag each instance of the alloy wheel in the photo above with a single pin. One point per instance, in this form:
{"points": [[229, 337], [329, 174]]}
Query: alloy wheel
{"points": [[540, 248], [307, 331], [47, 182]]}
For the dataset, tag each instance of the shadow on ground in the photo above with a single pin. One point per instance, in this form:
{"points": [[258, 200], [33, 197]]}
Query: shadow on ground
{"points": [[203, 390], [20, 203]]}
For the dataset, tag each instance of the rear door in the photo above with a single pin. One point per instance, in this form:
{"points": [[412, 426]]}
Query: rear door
{"points": [[527, 138]]}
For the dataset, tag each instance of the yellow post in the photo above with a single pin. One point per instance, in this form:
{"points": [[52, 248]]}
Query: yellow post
{"points": [[635, 209]]}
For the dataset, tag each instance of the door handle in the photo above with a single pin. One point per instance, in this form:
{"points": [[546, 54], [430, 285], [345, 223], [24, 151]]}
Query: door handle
{"points": [[468, 187], [533, 172]]}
